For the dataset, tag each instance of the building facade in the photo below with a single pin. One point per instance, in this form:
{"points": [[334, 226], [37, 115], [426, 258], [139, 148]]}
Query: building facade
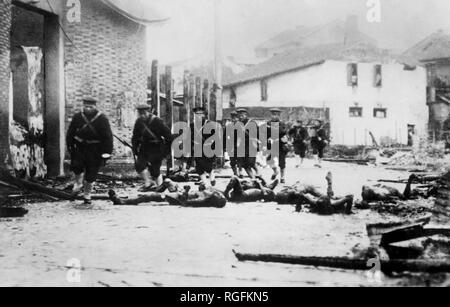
{"points": [[383, 99], [79, 48]]}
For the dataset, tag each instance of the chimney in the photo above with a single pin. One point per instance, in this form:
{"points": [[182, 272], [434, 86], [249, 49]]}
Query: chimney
{"points": [[351, 27]]}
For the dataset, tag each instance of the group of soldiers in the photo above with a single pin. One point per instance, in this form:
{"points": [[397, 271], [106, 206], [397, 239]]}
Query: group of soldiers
{"points": [[298, 136], [90, 144]]}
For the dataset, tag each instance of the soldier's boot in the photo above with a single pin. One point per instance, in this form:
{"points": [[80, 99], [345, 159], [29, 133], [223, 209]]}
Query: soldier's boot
{"points": [[283, 176], [167, 185], [148, 184], [78, 185], [87, 193]]}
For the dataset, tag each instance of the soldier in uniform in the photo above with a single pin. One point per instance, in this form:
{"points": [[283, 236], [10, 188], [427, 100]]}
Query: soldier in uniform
{"points": [[151, 144], [204, 165], [300, 136], [279, 144], [249, 142], [446, 135], [90, 144], [319, 141], [237, 171]]}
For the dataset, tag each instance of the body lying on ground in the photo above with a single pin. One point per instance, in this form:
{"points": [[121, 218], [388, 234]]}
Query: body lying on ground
{"points": [[170, 193], [383, 193], [320, 203], [242, 190]]}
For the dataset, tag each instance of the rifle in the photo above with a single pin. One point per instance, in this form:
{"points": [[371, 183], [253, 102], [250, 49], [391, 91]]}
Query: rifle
{"points": [[126, 144]]}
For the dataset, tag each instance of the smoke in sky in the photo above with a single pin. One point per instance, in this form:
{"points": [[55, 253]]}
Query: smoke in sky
{"points": [[245, 23]]}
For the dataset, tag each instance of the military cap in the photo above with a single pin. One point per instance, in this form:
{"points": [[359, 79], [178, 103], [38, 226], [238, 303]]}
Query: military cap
{"points": [[275, 110], [234, 113], [89, 101], [199, 109], [242, 110], [143, 107]]}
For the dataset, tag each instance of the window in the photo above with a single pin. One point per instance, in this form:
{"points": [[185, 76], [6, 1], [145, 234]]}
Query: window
{"points": [[352, 74], [233, 97], [264, 96], [378, 76], [356, 112], [379, 113]]}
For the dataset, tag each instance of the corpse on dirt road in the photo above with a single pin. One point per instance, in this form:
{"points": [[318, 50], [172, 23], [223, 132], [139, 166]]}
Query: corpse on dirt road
{"points": [[320, 203], [169, 192]]}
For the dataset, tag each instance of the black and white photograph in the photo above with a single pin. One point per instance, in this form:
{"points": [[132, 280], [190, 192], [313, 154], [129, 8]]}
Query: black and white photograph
{"points": [[252, 144]]}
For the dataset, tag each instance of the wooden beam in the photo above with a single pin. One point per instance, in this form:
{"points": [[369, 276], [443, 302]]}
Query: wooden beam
{"points": [[198, 92], [185, 110], [191, 97], [169, 110], [155, 86], [213, 103], [397, 265], [206, 97]]}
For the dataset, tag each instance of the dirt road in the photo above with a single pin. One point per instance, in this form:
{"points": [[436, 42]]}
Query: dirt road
{"points": [[170, 246]]}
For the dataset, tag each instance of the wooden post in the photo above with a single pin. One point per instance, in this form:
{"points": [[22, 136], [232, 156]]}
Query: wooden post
{"points": [[191, 97], [198, 92], [185, 110], [169, 111], [206, 97], [213, 104], [155, 85], [162, 102]]}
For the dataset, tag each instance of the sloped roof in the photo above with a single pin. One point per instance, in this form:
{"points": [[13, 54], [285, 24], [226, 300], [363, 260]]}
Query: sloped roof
{"points": [[140, 11], [305, 57], [298, 35], [287, 37], [436, 46]]}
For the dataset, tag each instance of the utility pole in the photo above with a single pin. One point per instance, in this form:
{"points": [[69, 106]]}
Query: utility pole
{"points": [[218, 60]]}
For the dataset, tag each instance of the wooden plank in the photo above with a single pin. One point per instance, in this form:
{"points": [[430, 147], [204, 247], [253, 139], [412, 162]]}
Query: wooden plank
{"points": [[397, 265], [184, 110], [198, 92], [213, 103], [33, 187], [206, 97], [154, 87], [163, 91], [191, 97], [169, 111]]}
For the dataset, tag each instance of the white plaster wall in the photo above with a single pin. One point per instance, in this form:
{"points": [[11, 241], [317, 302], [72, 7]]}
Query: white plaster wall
{"points": [[403, 94]]}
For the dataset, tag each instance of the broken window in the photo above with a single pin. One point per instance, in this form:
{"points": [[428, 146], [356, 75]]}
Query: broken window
{"points": [[379, 113], [264, 96], [352, 74], [233, 97], [356, 112], [378, 76]]}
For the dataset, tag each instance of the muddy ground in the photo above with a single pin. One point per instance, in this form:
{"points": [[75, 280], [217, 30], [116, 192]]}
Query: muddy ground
{"points": [[170, 246]]}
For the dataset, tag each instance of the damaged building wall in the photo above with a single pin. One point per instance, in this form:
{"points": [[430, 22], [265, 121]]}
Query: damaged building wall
{"points": [[5, 27], [106, 60]]}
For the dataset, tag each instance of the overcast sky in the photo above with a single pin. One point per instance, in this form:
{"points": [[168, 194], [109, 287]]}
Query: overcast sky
{"points": [[245, 23]]}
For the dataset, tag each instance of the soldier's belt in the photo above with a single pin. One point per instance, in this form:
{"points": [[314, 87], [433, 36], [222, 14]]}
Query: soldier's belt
{"points": [[83, 141]]}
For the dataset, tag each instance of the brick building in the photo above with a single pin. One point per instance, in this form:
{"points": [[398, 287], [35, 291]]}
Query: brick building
{"points": [[55, 52]]}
